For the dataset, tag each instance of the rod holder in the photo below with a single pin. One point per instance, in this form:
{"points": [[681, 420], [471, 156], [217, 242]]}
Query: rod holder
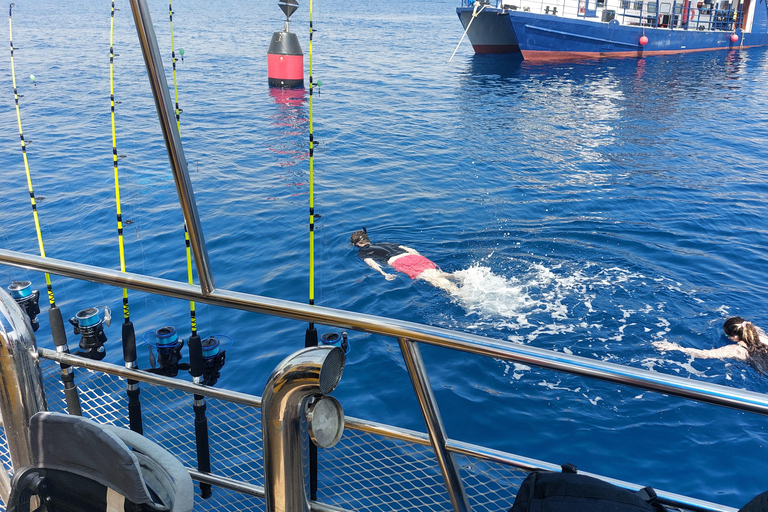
{"points": [[294, 407]]}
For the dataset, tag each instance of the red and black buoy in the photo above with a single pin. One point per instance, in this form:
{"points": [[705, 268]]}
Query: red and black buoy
{"points": [[285, 60]]}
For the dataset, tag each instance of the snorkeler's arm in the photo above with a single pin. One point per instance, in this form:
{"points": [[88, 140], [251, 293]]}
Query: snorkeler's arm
{"points": [[375, 266], [409, 250], [727, 352]]}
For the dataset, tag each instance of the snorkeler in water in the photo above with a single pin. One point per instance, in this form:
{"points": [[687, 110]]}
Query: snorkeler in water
{"points": [[403, 259], [750, 345]]}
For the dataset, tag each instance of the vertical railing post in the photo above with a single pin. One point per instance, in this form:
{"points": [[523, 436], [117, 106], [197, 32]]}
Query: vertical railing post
{"points": [[21, 385], [165, 113], [437, 436]]}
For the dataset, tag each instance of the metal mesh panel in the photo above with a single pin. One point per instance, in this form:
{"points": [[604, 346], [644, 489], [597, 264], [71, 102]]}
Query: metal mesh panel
{"points": [[225, 500], [489, 485], [234, 430], [5, 457], [373, 473], [5, 454], [362, 472]]}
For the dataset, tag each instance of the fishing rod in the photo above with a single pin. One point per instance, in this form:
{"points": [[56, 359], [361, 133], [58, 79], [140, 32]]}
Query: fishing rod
{"points": [[175, 89], [55, 318], [194, 340], [310, 339], [197, 353], [129, 334]]}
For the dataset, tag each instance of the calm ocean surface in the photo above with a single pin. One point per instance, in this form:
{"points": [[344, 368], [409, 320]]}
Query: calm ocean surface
{"points": [[592, 208]]}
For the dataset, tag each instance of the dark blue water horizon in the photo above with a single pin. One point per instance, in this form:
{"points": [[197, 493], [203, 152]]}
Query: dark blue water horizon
{"points": [[589, 207]]}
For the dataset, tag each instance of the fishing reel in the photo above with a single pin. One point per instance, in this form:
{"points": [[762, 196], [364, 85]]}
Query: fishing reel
{"points": [[89, 324], [27, 299], [168, 345], [214, 355], [337, 340]]}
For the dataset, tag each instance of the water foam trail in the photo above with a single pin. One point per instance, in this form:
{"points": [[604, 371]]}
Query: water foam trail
{"points": [[537, 291], [483, 293], [606, 313]]}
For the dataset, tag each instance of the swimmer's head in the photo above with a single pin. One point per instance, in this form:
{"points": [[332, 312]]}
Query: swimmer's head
{"points": [[737, 329], [360, 238]]}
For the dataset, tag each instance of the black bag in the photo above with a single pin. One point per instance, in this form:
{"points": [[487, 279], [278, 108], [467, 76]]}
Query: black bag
{"points": [[545, 491]]}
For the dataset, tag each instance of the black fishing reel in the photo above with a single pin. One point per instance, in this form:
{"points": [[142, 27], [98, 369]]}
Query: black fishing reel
{"points": [[89, 324], [337, 340], [168, 345], [27, 299], [214, 356]]}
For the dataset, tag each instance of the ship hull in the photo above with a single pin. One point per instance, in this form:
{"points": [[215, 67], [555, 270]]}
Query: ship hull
{"points": [[547, 37]]}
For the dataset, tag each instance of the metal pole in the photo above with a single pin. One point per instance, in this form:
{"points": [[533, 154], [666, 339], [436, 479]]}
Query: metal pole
{"points": [[434, 422], [311, 372], [21, 385], [164, 105]]}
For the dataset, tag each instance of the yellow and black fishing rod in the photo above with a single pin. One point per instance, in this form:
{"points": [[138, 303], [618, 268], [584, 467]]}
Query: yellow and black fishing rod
{"points": [[129, 334], [196, 358], [54, 314], [190, 277], [310, 339], [178, 111]]}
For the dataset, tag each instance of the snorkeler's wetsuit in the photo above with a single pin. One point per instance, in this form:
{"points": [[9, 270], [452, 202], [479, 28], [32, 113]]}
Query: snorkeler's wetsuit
{"points": [[411, 264], [380, 253]]}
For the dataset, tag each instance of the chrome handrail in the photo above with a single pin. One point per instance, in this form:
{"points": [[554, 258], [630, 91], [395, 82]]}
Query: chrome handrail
{"points": [[434, 422], [739, 399], [410, 332], [21, 386], [163, 105]]}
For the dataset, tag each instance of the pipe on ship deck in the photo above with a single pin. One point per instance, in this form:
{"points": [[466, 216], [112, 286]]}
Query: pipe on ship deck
{"points": [[306, 374], [21, 385]]}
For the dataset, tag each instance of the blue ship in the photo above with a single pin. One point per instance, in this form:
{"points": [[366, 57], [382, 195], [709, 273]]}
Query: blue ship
{"points": [[553, 30]]}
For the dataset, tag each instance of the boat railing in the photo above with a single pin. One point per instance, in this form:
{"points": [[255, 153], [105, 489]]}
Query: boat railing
{"points": [[673, 15], [676, 15], [410, 337]]}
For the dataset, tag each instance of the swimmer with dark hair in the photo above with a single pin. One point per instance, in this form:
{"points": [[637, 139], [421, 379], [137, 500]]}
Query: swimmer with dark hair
{"points": [[750, 344], [403, 259]]}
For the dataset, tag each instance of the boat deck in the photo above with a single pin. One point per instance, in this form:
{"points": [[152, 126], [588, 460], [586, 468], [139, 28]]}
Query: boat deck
{"points": [[374, 467]]}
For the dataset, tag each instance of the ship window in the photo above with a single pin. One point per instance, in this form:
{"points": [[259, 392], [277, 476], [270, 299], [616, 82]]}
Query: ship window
{"points": [[601, 3]]}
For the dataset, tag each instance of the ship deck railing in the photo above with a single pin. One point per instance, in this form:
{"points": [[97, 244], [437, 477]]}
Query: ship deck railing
{"points": [[375, 466], [674, 15]]}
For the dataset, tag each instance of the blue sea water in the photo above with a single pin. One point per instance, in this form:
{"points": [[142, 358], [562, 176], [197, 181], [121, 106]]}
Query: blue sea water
{"points": [[589, 207]]}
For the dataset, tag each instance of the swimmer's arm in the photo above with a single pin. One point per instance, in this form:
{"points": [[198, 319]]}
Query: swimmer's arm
{"points": [[726, 352], [409, 250], [375, 266]]}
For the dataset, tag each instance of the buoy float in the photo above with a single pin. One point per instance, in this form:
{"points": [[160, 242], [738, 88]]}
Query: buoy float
{"points": [[734, 38], [643, 40], [285, 60]]}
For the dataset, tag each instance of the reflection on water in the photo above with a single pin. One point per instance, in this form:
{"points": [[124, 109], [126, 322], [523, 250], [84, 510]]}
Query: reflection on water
{"points": [[289, 141], [504, 65]]}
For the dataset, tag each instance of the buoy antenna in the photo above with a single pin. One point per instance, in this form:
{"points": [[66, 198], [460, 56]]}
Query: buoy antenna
{"points": [[289, 7]]}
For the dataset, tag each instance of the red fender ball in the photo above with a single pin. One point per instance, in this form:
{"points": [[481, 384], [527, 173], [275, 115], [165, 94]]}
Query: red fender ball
{"points": [[734, 38], [643, 41]]}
